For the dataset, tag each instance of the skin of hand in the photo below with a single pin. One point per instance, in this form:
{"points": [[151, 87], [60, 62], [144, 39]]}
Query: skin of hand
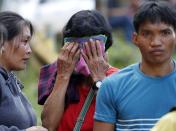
{"points": [[95, 60], [36, 128], [55, 103], [67, 59]]}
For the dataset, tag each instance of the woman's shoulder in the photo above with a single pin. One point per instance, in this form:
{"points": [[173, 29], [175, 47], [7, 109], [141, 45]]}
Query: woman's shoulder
{"points": [[111, 70]]}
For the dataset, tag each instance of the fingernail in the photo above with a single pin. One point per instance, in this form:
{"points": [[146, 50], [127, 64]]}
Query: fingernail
{"points": [[91, 40]]}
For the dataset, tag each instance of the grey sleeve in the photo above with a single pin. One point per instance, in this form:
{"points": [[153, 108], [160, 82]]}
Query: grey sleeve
{"points": [[3, 127], [12, 128]]}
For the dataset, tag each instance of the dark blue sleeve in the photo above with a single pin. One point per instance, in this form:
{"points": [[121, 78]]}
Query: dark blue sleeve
{"points": [[105, 101]]}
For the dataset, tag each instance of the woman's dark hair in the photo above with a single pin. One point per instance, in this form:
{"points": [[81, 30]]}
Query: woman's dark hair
{"points": [[13, 23], [88, 23], [3, 35], [155, 11]]}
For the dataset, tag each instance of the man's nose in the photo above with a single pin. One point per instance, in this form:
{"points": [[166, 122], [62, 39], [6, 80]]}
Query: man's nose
{"points": [[156, 41]]}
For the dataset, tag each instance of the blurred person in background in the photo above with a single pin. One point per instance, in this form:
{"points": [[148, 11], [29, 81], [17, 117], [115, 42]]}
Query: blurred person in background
{"points": [[173, 2], [121, 16], [81, 64], [16, 113], [136, 97]]}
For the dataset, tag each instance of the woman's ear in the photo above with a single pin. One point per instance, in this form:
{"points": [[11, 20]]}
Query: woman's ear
{"points": [[135, 38]]}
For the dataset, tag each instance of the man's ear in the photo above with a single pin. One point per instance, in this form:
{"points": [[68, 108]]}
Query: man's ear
{"points": [[135, 38]]}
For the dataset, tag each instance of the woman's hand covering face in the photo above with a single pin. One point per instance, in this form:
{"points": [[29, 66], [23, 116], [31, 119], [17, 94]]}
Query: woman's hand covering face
{"points": [[67, 59], [94, 57]]}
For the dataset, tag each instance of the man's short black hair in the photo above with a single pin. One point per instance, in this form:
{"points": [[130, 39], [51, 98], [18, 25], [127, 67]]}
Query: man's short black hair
{"points": [[155, 12]]}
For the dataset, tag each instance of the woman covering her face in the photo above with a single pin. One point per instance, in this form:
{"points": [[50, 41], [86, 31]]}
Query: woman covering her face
{"points": [[81, 64]]}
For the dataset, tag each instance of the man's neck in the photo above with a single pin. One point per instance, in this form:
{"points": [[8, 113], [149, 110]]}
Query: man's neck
{"points": [[157, 70]]}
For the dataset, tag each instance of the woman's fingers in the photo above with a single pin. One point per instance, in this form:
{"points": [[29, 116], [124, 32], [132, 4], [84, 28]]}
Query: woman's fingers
{"points": [[93, 48], [98, 48], [76, 56], [85, 57], [87, 50], [74, 50]]}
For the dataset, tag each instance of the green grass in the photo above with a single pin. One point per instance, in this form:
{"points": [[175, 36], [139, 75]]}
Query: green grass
{"points": [[122, 53]]}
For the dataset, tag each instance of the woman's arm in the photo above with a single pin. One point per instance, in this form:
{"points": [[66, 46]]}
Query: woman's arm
{"points": [[55, 103]]}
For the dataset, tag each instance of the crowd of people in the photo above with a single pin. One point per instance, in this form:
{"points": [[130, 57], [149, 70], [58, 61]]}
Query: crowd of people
{"points": [[81, 91]]}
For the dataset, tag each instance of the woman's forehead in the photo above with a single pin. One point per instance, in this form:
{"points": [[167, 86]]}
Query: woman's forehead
{"points": [[25, 32], [159, 25]]}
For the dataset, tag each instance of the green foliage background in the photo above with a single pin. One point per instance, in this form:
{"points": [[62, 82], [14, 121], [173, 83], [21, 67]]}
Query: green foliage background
{"points": [[29, 78]]}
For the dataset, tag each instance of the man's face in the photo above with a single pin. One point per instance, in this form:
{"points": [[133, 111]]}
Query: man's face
{"points": [[156, 42]]}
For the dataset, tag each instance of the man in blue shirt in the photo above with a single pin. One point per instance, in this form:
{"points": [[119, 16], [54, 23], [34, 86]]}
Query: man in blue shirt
{"points": [[136, 97]]}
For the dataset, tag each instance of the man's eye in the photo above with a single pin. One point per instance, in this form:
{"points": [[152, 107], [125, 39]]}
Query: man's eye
{"points": [[166, 32], [145, 34]]}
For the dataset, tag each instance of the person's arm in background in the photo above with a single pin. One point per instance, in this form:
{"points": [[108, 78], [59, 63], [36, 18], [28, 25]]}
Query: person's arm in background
{"points": [[115, 8], [55, 103]]}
